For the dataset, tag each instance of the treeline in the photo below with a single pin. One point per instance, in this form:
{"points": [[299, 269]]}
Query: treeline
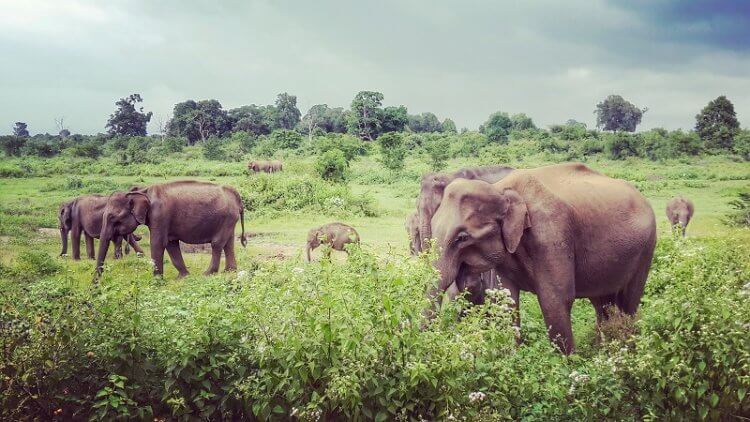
{"points": [[263, 130]]}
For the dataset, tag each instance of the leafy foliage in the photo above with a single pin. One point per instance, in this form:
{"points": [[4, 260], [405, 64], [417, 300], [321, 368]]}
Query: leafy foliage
{"points": [[392, 151], [332, 165], [617, 114], [126, 120], [717, 123], [497, 127]]}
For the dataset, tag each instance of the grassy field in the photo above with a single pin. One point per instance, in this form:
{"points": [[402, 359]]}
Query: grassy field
{"points": [[28, 224]]}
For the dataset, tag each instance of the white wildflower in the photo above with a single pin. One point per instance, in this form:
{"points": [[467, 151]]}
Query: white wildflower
{"points": [[298, 270], [294, 412], [241, 274], [476, 396]]}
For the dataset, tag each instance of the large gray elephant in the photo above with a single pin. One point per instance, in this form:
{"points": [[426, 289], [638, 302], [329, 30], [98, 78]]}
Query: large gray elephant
{"points": [[83, 216], [260, 166], [335, 235], [680, 212], [188, 211], [561, 232]]}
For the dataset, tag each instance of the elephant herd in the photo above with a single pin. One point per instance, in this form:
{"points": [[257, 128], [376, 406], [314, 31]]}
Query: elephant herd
{"points": [[561, 232]]}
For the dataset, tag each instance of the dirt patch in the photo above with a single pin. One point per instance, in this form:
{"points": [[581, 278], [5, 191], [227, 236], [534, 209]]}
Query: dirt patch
{"points": [[272, 250], [46, 231]]}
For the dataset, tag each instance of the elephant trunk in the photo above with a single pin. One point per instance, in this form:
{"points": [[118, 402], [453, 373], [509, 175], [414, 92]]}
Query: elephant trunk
{"points": [[64, 237], [448, 273], [104, 239], [307, 251]]}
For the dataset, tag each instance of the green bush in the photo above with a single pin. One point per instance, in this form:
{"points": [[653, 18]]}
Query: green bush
{"points": [[213, 149], [264, 193], [332, 165], [740, 214], [438, 152], [246, 140], [392, 151], [742, 144], [173, 144], [351, 146], [620, 145]]}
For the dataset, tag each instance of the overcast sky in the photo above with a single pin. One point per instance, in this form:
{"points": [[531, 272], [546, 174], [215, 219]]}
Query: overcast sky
{"points": [[553, 60]]}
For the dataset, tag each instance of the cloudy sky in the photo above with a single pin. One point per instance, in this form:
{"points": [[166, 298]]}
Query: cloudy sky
{"points": [[553, 60]]}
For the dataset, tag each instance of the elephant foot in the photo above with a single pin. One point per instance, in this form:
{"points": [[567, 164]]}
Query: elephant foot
{"points": [[182, 275], [63, 255], [209, 272], [139, 254]]}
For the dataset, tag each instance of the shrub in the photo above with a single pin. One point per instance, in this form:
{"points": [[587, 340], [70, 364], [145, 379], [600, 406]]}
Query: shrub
{"points": [[285, 139], [742, 144], [332, 165], [43, 148], [438, 151], [32, 264], [392, 151], [12, 145], [213, 149], [620, 145], [351, 146], [173, 144], [88, 149], [740, 216]]}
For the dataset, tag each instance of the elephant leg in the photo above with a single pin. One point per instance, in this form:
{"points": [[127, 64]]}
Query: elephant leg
{"points": [[157, 254], [216, 248], [64, 237], [75, 240], [602, 307], [118, 247], [89, 246], [175, 254], [230, 263], [556, 303], [629, 298]]}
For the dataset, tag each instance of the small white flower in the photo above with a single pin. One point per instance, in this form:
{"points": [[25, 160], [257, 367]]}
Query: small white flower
{"points": [[298, 270], [241, 274], [294, 411], [476, 396]]}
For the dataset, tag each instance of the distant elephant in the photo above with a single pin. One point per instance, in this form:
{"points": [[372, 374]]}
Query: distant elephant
{"points": [[412, 227], [275, 166], [335, 235], [561, 232], [188, 211], [259, 166], [679, 212], [83, 215]]}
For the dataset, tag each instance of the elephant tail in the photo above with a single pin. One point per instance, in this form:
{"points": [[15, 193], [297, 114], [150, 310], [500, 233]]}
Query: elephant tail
{"points": [[243, 240]]}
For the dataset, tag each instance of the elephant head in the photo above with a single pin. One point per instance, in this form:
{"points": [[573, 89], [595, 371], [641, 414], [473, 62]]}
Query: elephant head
{"points": [[313, 241], [430, 195], [477, 227], [124, 212]]}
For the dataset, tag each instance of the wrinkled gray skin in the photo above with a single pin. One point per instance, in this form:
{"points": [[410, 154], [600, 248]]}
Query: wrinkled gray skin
{"points": [[335, 235], [188, 211], [679, 212], [561, 232], [83, 216], [431, 194], [265, 166]]}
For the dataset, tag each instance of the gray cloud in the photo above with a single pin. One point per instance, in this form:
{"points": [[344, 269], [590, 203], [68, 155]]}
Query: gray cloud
{"points": [[464, 60]]}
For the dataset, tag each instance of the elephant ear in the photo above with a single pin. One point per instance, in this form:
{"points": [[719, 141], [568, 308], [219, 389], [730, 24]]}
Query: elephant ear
{"points": [[139, 206], [515, 220], [65, 216]]}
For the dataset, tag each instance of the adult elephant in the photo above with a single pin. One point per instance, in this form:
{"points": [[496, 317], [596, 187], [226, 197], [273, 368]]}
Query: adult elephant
{"points": [[188, 211], [83, 216], [259, 166], [680, 212], [561, 232], [275, 166], [432, 188]]}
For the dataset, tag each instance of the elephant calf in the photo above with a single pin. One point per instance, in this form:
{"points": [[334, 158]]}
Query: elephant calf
{"points": [[412, 227], [186, 211], [679, 212], [83, 215], [335, 235]]}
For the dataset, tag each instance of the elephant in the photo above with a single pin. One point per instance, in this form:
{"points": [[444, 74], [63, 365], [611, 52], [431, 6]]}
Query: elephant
{"points": [[188, 211], [275, 166], [259, 166], [561, 232], [83, 215], [335, 235], [679, 212], [412, 227]]}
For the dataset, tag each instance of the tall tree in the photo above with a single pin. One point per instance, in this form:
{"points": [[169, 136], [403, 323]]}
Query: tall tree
{"points": [[425, 122], [315, 119], [449, 126], [21, 130], [287, 113], [126, 120], [394, 119], [497, 126], [717, 123], [253, 119], [336, 120], [364, 120], [198, 120], [617, 114]]}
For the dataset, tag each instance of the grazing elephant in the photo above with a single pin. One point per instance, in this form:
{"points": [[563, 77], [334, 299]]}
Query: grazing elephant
{"points": [[412, 227], [335, 235], [188, 211], [83, 215], [259, 166], [275, 166], [561, 232], [679, 212]]}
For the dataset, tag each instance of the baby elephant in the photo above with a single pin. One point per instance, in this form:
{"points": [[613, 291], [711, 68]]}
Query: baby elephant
{"points": [[679, 213], [335, 235]]}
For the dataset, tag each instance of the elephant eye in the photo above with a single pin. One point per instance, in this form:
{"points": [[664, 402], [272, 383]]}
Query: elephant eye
{"points": [[462, 237]]}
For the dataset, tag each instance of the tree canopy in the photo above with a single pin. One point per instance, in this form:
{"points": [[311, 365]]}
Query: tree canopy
{"points": [[364, 120], [497, 126], [717, 123], [127, 120], [617, 114], [287, 113], [21, 129], [199, 120]]}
